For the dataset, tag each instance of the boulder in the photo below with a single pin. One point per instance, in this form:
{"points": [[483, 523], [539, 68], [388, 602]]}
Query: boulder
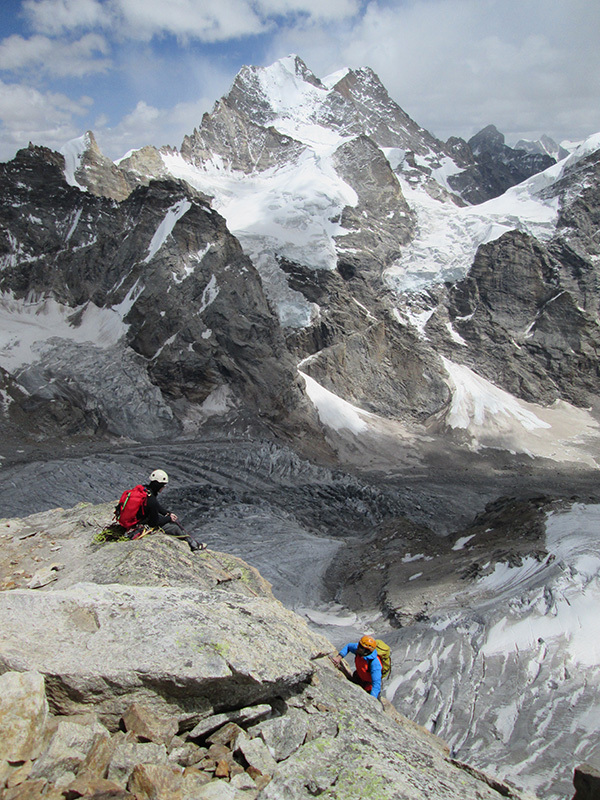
{"points": [[149, 726], [45, 575], [283, 735], [5, 771], [216, 790], [19, 774], [180, 652], [67, 751], [241, 716], [156, 782], [97, 761], [23, 715], [193, 781], [89, 786], [227, 735], [29, 790], [257, 754], [186, 754], [222, 769], [129, 754], [245, 787]]}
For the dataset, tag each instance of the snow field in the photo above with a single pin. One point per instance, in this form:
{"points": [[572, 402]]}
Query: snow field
{"points": [[334, 412], [448, 236], [570, 620], [73, 152], [510, 679]]}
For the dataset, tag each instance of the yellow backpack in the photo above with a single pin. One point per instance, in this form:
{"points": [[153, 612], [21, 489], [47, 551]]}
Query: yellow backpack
{"points": [[385, 656]]}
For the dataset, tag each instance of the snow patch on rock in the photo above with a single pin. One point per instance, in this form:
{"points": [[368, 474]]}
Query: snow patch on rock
{"points": [[25, 323]]}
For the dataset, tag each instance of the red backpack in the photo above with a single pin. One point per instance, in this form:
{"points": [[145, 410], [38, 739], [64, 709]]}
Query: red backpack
{"points": [[131, 507]]}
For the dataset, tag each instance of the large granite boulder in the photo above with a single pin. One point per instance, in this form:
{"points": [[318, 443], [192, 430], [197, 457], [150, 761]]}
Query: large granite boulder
{"points": [[178, 650]]}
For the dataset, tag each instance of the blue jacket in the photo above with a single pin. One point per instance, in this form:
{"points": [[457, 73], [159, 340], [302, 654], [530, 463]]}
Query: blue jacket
{"points": [[374, 666]]}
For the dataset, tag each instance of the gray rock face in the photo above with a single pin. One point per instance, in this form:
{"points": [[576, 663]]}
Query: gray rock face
{"points": [[242, 144], [527, 310], [494, 166], [576, 240], [100, 175], [143, 165], [96, 173], [204, 664], [398, 377], [157, 276], [381, 221]]}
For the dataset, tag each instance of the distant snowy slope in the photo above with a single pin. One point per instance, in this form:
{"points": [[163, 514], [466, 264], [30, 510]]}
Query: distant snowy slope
{"points": [[73, 152], [527, 635], [291, 211], [448, 237]]}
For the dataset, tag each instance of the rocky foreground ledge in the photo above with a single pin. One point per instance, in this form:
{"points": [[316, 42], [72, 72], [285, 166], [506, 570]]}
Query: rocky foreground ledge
{"points": [[141, 670]]}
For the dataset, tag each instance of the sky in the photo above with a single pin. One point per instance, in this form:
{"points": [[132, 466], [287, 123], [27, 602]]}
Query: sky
{"points": [[140, 72]]}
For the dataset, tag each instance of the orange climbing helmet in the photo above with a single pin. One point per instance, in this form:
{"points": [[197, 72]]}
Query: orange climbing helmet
{"points": [[368, 643]]}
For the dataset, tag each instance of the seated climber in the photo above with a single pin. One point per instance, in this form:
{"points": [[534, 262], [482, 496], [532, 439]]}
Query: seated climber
{"points": [[140, 506], [367, 663]]}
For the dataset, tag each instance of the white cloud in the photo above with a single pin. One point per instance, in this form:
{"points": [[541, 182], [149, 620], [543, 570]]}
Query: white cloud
{"points": [[27, 114], [312, 9], [56, 16], [203, 20], [144, 19], [54, 56], [453, 65], [207, 21], [147, 124]]}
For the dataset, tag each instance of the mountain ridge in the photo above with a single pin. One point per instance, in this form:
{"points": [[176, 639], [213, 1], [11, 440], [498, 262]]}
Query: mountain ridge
{"points": [[329, 219], [307, 273]]}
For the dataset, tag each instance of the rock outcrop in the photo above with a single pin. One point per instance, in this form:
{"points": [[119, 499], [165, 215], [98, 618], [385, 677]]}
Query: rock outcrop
{"points": [[152, 687], [94, 172], [525, 315]]}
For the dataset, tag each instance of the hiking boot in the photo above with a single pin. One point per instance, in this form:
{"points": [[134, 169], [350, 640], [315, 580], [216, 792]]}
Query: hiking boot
{"points": [[196, 545]]}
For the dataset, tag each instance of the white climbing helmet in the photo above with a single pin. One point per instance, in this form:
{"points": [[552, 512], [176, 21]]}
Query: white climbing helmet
{"points": [[159, 476]]}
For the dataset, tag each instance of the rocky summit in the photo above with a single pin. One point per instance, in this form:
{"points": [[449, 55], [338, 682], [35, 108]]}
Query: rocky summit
{"points": [[139, 669]]}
